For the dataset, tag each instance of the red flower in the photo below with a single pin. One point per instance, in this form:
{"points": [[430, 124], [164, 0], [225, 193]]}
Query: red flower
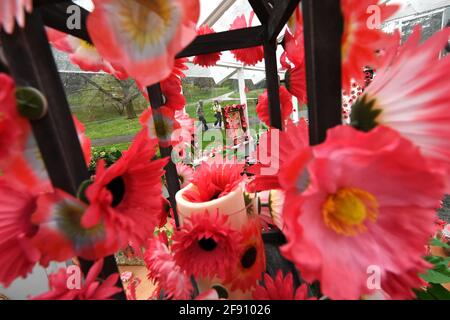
{"points": [[143, 37], [206, 246], [280, 288], [91, 289], [124, 194], [296, 83], [213, 181], [83, 54], [161, 125], [83, 138], [206, 60], [164, 270], [353, 192], [12, 11], [276, 148], [262, 109], [360, 41], [13, 128], [61, 235], [18, 255], [251, 259], [248, 56]]}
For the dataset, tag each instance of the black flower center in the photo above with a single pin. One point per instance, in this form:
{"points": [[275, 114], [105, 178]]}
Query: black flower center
{"points": [[221, 291], [249, 257], [117, 189], [207, 244]]}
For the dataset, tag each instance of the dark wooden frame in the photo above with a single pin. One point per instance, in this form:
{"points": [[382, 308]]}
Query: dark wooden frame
{"points": [[30, 62]]}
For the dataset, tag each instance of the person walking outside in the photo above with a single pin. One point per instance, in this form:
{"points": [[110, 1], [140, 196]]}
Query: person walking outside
{"points": [[218, 114], [201, 115]]}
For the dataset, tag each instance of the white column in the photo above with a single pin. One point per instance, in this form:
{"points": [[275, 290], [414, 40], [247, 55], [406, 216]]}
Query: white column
{"points": [[295, 114]]}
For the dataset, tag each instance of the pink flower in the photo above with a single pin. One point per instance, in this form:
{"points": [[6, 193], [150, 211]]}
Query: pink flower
{"points": [[18, 255], [410, 94], [12, 11], [360, 200], [262, 109], [206, 60], [83, 54], [361, 40], [126, 195], [91, 289], [164, 270], [206, 246], [161, 125], [213, 181], [280, 288], [185, 174], [248, 56], [143, 37]]}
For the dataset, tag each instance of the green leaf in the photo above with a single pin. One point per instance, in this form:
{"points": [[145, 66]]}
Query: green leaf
{"points": [[439, 292], [433, 276], [423, 295], [438, 243]]}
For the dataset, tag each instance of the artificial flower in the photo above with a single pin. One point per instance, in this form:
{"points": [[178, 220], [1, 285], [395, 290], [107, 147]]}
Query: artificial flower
{"points": [[164, 270], [83, 138], [61, 234], [123, 195], [13, 128], [212, 181], [349, 98], [83, 54], [262, 108], [185, 174], [206, 245], [280, 288], [161, 125], [274, 149], [12, 11], [251, 259], [248, 56], [206, 60], [410, 94], [295, 79], [332, 215], [362, 37], [91, 289], [187, 128], [276, 203], [143, 37], [19, 256]]}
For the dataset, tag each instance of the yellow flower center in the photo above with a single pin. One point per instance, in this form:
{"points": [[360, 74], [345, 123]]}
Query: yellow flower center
{"points": [[347, 211], [146, 21]]}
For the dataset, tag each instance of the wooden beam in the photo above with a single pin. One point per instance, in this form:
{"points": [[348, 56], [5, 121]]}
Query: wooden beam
{"points": [[31, 63], [273, 84], [262, 9], [173, 183], [323, 25], [280, 15]]}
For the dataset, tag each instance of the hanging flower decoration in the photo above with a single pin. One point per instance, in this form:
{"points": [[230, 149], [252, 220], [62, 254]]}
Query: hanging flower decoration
{"points": [[91, 289], [262, 108], [251, 259], [212, 181], [274, 149], [248, 56], [61, 235], [206, 245], [143, 37], [165, 272], [206, 60], [360, 39], [280, 288], [419, 111], [124, 194], [336, 213], [185, 174], [83, 54], [12, 11], [13, 128], [161, 125], [19, 256]]}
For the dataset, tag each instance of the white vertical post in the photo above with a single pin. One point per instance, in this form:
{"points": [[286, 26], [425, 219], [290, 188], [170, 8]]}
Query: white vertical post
{"points": [[295, 114]]}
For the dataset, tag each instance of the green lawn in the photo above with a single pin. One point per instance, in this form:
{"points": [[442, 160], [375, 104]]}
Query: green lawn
{"points": [[112, 128], [250, 95]]}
